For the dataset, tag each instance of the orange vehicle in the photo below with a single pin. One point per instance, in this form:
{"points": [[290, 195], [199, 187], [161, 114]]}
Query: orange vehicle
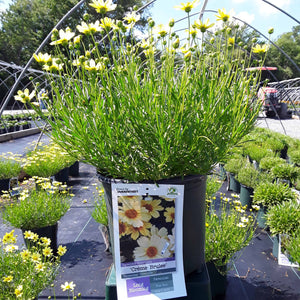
{"points": [[270, 101]]}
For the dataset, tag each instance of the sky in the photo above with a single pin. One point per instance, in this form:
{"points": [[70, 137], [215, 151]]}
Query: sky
{"points": [[257, 13]]}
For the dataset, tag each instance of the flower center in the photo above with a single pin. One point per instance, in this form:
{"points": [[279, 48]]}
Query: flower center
{"points": [[131, 213], [151, 252], [149, 207]]}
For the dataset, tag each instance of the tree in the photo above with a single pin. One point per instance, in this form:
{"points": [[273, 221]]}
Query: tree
{"points": [[290, 43], [26, 23]]}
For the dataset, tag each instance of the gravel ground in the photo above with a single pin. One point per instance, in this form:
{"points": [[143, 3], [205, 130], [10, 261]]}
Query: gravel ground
{"points": [[290, 127]]}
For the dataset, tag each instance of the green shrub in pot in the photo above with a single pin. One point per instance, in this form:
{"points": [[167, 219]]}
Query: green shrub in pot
{"points": [[294, 157], [284, 218], [285, 171], [268, 194], [292, 247], [267, 163], [235, 164], [248, 176], [257, 152]]}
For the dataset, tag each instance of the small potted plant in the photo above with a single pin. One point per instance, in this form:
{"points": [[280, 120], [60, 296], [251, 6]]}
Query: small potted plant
{"points": [[294, 157], [10, 166], [286, 173], [233, 166], [38, 208], [228, 230], [283, 218], [293, 247], [248, 177], [25, 273], [268, 162], [268, 194]]}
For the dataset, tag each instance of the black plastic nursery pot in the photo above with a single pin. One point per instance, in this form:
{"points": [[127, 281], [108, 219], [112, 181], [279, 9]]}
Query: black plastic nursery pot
{"points": [[62, 175], [48, 232], [4, 185], [218, 281], [193, 216], [74, 169]]}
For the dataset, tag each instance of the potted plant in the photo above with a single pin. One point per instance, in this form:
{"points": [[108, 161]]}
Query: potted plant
{"points": [[38, 208], [268, 194], [293, 247], [285, 172], [233, 166], [256, 152], [26, 272], [99, 214], [10, 167], [283, 218], [228, 230], [248, 177], [294, 157], [268, 162], [158, 110]]}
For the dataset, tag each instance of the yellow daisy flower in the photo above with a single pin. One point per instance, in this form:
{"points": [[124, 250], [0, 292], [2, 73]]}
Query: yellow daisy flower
{"points": [[203, 26], [153, 207], [135, 232], [170, 214], [223, 16], [19, 291], [47, 251], [103, 7], [260, 49], [68, 286], [61, 250], [188, 6], [64, 37], [8, 278], [88, 28], [24, 97]]}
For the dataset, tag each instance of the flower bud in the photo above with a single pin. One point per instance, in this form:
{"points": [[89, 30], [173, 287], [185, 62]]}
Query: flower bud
{"points": [[135, 8], [171, 22], [271, 30], [86, 17]]}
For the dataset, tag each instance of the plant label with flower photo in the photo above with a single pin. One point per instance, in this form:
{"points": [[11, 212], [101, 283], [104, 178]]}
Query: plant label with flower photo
{"points": [[148, 253]]}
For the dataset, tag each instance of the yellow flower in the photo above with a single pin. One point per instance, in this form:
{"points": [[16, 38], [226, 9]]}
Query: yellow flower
{"points": [[11, 248], [241, 225], [187, 7], [65, 36], [256, 207], [68, 286], [132, 17], [90, 65], [40, 267], [18, 291], [260, 49], [61, 250], [8, 278], [122, 229], [107, 23], [135, 232], [45, 241], [170, 214], [203, 26], [161, 30], [103, 7], [25, 254], [55, 66], [131, 211], [153, 207], [36, 257], [9, 238], [47, 251], [222, 16], [231, 41], [24, 97], [42, 58], [88, 29]]}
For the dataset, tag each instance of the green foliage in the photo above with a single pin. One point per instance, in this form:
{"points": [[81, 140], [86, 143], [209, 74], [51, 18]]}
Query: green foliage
{"points": [[285, 171], [228, 230], [257, 152], [284, 218], [213, 184], [267, 163], [235, 164], [269, 194], [293, 246], [248, 176], [99, 212], [10, 166], [37, 208], [294, 156]]}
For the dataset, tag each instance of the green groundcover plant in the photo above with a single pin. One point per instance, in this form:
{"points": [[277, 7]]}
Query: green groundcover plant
{"points": [[10, 165], [37, 207], [149, 108], [99, 212], [248, 176], [293, 247]]}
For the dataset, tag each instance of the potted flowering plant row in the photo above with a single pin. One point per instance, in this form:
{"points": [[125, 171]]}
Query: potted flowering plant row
{"points": [[38, 208], [27, 272], [157, 110]]}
